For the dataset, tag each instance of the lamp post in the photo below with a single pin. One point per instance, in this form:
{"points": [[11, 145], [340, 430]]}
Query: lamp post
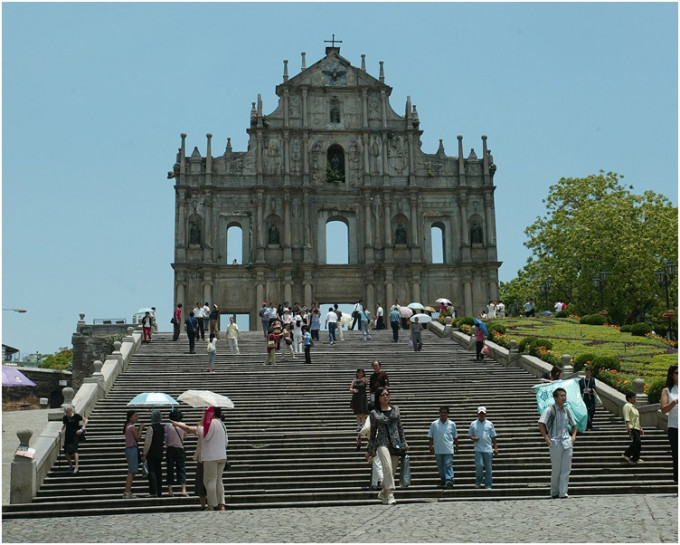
{"points": [[545, 290], [664, 277], [600, 281]]}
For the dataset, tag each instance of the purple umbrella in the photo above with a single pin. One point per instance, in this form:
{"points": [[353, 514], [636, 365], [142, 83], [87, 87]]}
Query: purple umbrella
{"points": [[13, 377]]}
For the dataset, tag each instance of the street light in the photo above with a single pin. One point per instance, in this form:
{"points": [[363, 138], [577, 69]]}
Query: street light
{"points": [[600, 281], [545, 290], [19, 310], [664, 278]]}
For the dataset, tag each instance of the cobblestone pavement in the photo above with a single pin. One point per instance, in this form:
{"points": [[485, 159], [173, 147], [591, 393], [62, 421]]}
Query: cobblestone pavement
{"points": [[586, 519]]}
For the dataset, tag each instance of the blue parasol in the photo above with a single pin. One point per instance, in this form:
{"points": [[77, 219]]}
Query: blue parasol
{"points": [[481, 324]]}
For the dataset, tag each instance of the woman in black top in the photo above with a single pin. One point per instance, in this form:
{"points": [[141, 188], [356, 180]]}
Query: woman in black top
{"points": [[73, 431]]}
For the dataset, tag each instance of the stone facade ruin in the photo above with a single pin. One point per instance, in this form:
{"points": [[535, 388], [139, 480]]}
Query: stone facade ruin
{"points": [[333, 149]]}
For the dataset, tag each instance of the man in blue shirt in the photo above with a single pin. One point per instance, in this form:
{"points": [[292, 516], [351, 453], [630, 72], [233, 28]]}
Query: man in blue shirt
{"points": [[394, 322], [443, 438], [483, 435], [555, 425]]}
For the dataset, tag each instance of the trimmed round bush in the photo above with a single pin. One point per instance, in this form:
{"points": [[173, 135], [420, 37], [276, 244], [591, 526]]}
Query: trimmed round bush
{"points": [[464, 320], [496, 327], [605, 362], [626, 328], [561, 314], [523, 345], [594, 319], [655, 389], [581, 360], [640, 329]]}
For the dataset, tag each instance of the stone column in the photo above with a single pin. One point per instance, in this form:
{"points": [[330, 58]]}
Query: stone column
{"points": [[465, 235], [207, 287], [259, 227], [368, 226], [287, 253], [305, 119], [467, 298], [364, 110], [288, 288], [308, 288]]}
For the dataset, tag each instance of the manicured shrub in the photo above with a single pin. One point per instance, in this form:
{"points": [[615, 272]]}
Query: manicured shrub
{"points": [[464, 320], [605, 362], [581, 360], [626, 328], [523, 345], [551, 358], [654, 390], [561, 314], [594, 319], [496, 327], [536, 343], [640, 329]]}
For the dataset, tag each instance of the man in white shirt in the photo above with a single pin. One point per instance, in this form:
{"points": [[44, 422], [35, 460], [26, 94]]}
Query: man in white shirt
{"points": [[356, 314], [331, 322], [206, 317], [379, 316], [198, 314]]}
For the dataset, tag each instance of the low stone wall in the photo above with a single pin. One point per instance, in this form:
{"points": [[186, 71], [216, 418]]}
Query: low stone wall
{"points": [[612, 399], [28, 397], [28, 473]]}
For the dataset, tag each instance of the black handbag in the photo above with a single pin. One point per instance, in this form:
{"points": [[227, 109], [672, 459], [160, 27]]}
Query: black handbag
{"points": [[397, 449]]}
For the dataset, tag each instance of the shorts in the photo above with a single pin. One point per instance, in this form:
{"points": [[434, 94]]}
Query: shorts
{"points": [[132, 457]]}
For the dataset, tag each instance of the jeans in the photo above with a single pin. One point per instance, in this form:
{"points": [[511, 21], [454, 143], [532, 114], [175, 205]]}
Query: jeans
{"points": [[483, 468], [395, 331], [192, 343], [175, 461], [560, 459], [308, 357], [331, 332], [589, 400], [445, 467]]}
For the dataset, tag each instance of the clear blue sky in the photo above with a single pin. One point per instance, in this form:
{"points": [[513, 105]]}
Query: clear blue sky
{"points": [[95, 97]]}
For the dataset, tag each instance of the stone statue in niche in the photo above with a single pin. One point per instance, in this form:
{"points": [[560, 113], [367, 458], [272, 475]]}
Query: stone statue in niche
{"points": [[476, 233], [400, 235], [335, 112], [375, 154], [273, 235], [194, 232]]}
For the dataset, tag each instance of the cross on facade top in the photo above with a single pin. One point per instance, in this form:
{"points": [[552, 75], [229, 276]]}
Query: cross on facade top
{"points": [[332, 41]]}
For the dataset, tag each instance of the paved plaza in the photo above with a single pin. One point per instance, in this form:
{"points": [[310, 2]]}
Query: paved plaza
{"points": [[587, 519]]}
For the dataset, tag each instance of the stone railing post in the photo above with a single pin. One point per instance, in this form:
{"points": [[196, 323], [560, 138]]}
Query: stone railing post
{"points": [[639, 389], [23, 484], [567, 367]]}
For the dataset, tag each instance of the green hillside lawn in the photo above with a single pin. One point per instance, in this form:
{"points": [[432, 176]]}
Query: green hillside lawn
{"points": [[641, 357]]}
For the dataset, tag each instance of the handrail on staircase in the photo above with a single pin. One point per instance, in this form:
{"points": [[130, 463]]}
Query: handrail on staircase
{"points": [[27, 474]]}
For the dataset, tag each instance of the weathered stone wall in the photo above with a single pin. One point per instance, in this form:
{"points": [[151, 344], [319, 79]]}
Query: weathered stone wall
{"points": [[47, 380], [334, 149], [90, 343]]}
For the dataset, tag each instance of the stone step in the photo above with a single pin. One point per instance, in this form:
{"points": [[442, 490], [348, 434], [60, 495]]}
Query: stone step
{"points": [[292, 438]]}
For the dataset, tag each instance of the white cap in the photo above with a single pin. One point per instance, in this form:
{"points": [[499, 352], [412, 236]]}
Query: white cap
{"points": [[481, 410]]}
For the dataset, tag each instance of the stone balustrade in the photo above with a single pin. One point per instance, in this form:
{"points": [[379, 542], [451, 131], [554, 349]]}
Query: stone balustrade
{"points": [[27, 474], [612, 399]]}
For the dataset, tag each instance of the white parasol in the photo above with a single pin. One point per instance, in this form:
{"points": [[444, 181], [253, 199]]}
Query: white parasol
{"points": [[205, 398]]}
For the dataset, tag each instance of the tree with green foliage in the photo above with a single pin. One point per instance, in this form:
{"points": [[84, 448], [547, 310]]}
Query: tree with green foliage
{"points": [[597, 223], [60, 360]]}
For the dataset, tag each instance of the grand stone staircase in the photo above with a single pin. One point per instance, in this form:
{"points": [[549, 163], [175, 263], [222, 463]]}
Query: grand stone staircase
{"points": [[292, 438]]}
